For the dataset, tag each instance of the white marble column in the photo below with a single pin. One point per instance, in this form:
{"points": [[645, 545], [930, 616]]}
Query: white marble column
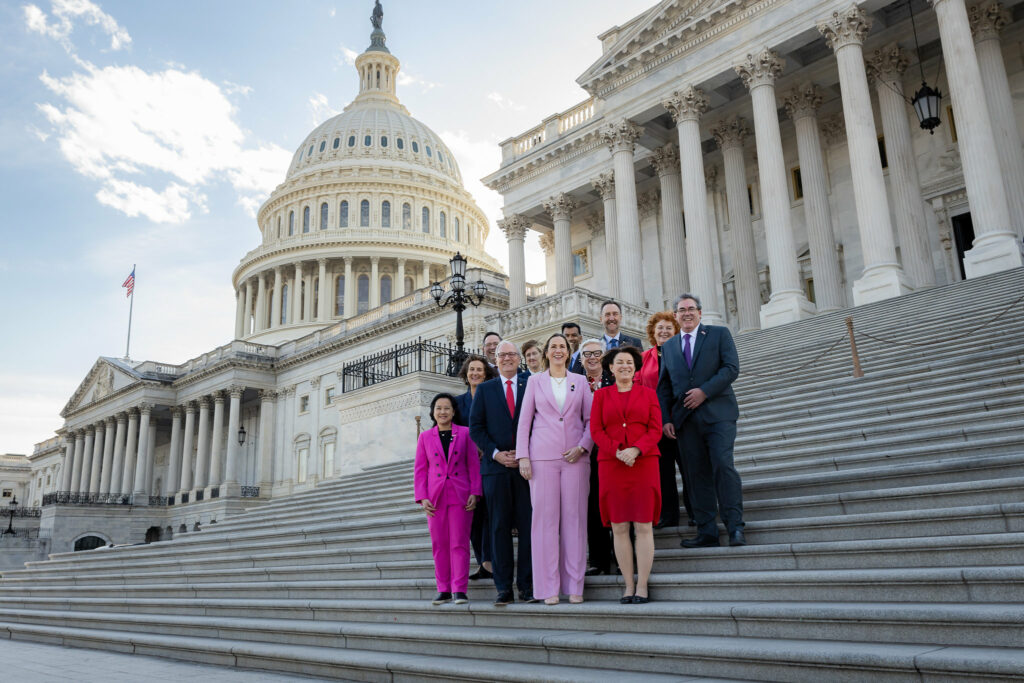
{"points": [[151, 456], [560, 208], [240, 311], [296, 313], [605, 185], [108, 455], [261, 303], [686, 107], [87, 448], [321, 291], [787, 302], [130, 453], [117, 467], [217, 440], [374, 282], [996, 244], [275, 304], [426, 274], [714, 210], [802, 106], [674, 270], [174, 457], [309, 314], [140, 490], [515, 228], [882, 277], [97, 460], [231, 478], [400, 277], [621, 137], [350, 289], [266, 441], [247, 318], [987, 20], [202, 475], [69, 462], [187, 441], [76, 464]]}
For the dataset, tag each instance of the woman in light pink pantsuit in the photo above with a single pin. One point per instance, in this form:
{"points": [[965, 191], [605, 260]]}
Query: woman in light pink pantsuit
{"points": [[553, 449], [446, 482]]}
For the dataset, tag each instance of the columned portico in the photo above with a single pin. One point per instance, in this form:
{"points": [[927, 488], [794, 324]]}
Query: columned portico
{"points": [[240, 296], [788, 302], [605, 186], [295, 314], [76, 467], [87, 455], [140, 489], [350, 289], [674, 271], [231, 468], [802, 106], [69, 461], [174, 458], [130, 453], [686, 107], [261, 303], [217, 440], [187, 444], [400, 278], [620, 138], [996, 244], [560, 209], [202, 477], [515, 228], [247, 318], [108, 455], [117, 468], [374, 282], [97, 460], [321, 291]]}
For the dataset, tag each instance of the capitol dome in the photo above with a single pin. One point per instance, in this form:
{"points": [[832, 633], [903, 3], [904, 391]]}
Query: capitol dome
{"points": [[370, 212]]}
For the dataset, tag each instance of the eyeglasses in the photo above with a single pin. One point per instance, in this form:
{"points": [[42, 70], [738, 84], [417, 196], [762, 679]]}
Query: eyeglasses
{"points": [[691, 309], [591, 354], [508, 354]]}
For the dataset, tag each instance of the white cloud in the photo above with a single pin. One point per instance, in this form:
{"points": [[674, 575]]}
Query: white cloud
{"points": [[504, 103], [407, 79], [27, 414], [66, 13], [348, 55], [320, 108], [332, 12], [38, 134], [121, 125], [233, 88]]}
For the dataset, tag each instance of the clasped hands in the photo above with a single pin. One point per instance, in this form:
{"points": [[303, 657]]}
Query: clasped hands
{"points": [[570, 456], [431, 509], [628, 456]]}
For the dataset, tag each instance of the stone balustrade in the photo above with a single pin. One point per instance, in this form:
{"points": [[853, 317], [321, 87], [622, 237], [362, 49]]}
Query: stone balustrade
{"points": [[549, 129], [552, 311]]}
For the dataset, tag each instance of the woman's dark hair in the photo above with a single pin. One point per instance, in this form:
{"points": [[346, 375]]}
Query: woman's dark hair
{"points": [[456, 416], [547, 344], [489, 372], [609, 357]]}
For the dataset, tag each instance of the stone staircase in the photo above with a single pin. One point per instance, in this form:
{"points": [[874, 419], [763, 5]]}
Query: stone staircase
{"points": [[885, 517]]}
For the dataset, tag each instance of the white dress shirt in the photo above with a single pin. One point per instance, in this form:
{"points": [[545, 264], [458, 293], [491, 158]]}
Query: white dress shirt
{"points": [[692, 339], [558, 389]]}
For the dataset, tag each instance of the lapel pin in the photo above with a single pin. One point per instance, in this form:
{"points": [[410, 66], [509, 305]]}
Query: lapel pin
{"points": [[572, 387]]}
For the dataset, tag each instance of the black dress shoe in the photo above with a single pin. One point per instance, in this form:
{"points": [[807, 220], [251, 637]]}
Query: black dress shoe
{"points": [[662, 523], [504, 598], [595, 571], [527, 597], [461, 598], [480, 573], [641, 599], [626, 599], [441, 598], [736, 537], [700, 541]]}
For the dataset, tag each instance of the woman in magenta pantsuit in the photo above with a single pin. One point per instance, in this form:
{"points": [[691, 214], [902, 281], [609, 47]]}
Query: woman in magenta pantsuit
{"points": [[553, 449], [447, 484]]}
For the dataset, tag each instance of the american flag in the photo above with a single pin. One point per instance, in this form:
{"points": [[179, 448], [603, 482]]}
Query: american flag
{"points": [[129, 283]]}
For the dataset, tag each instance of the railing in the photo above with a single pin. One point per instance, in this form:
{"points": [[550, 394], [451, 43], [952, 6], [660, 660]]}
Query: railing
{"points": [[536, 290], [21, 512], [70, 498], [20, 533], [530, 139], [572, 304], [577, 116], [550, 129], [234, 349], [400, 360], [336, 235], [250, 492]]}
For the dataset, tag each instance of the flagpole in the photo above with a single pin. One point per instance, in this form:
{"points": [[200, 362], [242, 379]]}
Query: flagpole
{"points": [[131, 305]]}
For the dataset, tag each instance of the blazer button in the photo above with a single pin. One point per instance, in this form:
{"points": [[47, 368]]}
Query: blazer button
{"points": [[561, 419]]}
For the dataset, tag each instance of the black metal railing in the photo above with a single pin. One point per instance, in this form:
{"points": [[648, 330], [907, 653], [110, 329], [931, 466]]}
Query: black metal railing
{"points": [[20, 533], [400, 360], [70, 498], [250, 492], [158, 500], [20, 512]]}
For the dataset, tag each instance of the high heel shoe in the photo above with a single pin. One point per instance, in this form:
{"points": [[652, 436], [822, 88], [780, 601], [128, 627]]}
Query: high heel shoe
{"points": [[551, 601]]}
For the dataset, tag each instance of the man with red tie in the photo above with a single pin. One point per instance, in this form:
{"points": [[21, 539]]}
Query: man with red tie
{"points": [[492, 426]]}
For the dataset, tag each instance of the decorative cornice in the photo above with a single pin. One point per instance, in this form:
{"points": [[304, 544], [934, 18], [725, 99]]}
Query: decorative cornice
{"points": [[621, 136], [665, 160], [730, 132], [605, 185], [547, 243], [760, 69], [687, 104], [887, 63], [560, 207], [803, 101], [987, 20], [846, 27]]}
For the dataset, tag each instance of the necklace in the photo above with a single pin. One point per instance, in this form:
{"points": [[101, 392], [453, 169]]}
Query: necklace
{"points": [[559, 380]]}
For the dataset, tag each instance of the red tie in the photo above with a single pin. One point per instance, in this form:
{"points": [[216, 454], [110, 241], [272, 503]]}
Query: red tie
{"points": [[510, 399]]}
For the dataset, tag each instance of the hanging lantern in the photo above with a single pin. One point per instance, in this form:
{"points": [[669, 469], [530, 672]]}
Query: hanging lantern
{"points": [[926, 103]]}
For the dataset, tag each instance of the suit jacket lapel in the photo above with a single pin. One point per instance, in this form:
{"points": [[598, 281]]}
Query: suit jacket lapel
{"points": [[520, 392], [698, 341]]}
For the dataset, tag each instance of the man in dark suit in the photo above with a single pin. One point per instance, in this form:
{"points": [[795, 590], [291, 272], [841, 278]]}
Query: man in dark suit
{"points": [[611, 317], [699, 410], [494, 419]]}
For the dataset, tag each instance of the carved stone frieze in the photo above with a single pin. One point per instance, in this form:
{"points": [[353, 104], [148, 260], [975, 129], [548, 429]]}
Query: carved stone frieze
{"points": [[760, 69], [666, 160], [845, 27], [315, 382], [687, 104]]}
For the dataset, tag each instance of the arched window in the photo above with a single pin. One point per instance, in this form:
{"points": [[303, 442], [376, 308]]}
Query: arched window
{"points": [[385, 214], [343, 215], [440, 157], [88, 543], [363, 293], [351, 140], [323, 145], [278, 227], [385, 289], [337, 141], [442, 224], [305, 219], [383, 140], [400, 143], [291, 222], [310, 152], [409, 284], [284, 304], [364, 213], [339, 296], [428, 151], [323, 216], [425, 219], [367, 141], [415, 147], [406, 216], [456, 229]]}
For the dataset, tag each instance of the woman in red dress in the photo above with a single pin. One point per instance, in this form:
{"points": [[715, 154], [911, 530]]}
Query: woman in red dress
{"points": [[626, 425]]}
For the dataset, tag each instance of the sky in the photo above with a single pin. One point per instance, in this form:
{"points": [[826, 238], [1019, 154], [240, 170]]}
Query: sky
{"points": [[149, 133]]}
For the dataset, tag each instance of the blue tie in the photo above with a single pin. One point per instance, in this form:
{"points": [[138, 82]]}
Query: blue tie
{"points": [[613, 343], [686, 351]]}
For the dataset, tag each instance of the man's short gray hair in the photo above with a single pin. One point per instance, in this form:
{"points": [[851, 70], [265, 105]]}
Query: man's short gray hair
{"points": [[687, 295], [505, 342], [599, 342]]}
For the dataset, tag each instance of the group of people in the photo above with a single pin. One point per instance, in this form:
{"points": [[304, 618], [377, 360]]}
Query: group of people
{"points": [[587, 437]]}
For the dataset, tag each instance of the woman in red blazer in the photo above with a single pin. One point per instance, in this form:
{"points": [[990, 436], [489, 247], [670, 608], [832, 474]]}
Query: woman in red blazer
{"points": [[626, 425], [446, 482]]}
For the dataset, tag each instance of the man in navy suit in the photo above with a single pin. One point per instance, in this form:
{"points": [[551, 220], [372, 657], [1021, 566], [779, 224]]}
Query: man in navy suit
{"points": [[611, 317], [699, 409], [494, 419]]}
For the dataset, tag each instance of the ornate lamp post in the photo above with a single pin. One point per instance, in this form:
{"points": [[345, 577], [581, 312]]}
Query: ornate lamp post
{"points": [[10, 525], [458, 297], [241, 435]]}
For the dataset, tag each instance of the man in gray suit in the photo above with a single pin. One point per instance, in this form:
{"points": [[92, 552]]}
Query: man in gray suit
{"points": [[699, 410]]}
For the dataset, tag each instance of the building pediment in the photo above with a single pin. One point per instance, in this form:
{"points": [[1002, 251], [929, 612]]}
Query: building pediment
{"points": [[106, 377], [649, 37]]}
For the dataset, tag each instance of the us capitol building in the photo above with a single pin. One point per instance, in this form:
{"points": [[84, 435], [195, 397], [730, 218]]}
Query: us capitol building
{"points": [[762, 153]]}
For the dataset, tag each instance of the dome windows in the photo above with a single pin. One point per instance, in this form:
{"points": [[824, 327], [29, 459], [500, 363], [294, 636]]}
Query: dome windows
{"points": [[305, 219], [323, 216], [406, 216], [367, 141], [440, 157], [351, 140], [442, 224], [385, 214], [310, 152], [385, 289], [415, 147], [383, 140], [323, 146], [291, 222], [337, 141], [400, 143], [425, 219], [428, 151], [456, 235], [343, 215], [364, 213]]}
